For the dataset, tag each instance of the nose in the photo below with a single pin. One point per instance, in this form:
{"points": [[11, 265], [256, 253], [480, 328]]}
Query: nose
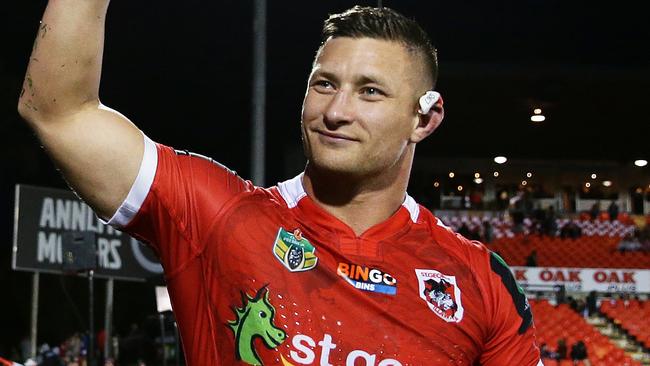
{"points": [[339, 110]]}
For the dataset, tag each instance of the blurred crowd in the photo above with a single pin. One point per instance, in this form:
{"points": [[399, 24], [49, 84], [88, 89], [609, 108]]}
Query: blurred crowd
{"points": [[137, 348]]}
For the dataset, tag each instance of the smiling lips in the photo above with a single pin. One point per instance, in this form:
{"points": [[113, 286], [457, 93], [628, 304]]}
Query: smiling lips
{"points": [[334, 137]]}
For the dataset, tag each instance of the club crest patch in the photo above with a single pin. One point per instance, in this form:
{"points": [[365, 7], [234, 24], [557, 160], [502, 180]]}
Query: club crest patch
{"points": [[294, 251], [441, 293]]}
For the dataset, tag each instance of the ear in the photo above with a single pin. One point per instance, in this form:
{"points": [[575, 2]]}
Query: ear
{"points": [[427, 123]]}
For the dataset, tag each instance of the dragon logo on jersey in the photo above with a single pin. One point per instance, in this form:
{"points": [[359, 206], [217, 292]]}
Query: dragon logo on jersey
{"points": [[255, 320], [293, 251], [441, 293]]}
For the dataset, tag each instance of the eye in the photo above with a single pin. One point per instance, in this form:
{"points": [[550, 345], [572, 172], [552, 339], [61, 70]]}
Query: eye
{"points": [[372, 92], [322, 85], [262, 314]]}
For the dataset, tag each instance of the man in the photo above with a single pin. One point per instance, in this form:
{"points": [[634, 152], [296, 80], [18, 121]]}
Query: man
{"points": [[337, 266]]}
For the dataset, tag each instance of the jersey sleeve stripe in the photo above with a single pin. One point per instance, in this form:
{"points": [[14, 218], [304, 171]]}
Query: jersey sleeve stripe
{"points": [[140, 188]]}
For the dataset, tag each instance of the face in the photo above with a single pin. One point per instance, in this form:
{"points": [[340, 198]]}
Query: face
{"points": [[360, 109]]}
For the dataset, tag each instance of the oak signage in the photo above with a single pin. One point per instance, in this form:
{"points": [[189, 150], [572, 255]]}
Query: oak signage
{"points": [[42, 215], [586, 279]]}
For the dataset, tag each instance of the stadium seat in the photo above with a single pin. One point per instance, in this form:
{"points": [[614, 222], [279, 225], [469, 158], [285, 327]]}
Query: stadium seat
{"points": [[631, 315], [555, 322]]}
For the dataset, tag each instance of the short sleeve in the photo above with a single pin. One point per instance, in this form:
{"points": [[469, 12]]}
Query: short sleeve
{"points": [[511, 338], [175, 198]]}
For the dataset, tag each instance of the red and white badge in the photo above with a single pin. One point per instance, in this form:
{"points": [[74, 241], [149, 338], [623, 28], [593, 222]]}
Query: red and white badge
{"points": [[441, 293]]}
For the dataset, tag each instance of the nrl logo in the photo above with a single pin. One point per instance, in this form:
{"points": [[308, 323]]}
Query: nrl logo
{"points": [[441, 293], [295, 252]]}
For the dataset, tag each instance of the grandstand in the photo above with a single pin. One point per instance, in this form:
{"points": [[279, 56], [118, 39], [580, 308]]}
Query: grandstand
{"points": [[617, 332], [597, 247], [630, 316], [503, 226], [557, 322]]}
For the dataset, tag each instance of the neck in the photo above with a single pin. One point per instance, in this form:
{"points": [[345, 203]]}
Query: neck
{"points": [[360, 201]]}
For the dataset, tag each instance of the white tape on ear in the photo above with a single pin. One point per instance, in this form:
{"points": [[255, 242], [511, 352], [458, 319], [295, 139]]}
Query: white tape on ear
{"points": [[428, 100]]}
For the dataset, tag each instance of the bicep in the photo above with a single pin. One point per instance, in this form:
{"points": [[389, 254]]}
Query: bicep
{"points": [[99, 152]]}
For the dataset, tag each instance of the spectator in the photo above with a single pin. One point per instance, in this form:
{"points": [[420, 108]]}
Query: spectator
{"points": [[625, 299], [560, 295], [517, 212], [561, 351], [549, 224], [101, 339], [573, 303], [594, 211], [531, 260], [565, 230], [592, 306], [581, 307], [502, 200], [476, 199], [613, 211], [464, 230], [629, 244], [51, 358], [570, 230], [488, 231], [579, 353], [475, 233], [528, 202], [644, 238], [545, 352], [72, 347]]}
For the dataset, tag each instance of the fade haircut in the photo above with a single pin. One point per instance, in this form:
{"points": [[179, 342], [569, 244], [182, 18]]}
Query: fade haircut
{"points": [[385, 24]]}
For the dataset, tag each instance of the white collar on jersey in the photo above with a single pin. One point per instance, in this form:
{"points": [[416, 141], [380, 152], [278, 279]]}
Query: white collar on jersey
{"points": [[292, 192]]}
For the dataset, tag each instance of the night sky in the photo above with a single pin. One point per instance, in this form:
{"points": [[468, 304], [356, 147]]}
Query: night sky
{"points": [[182, 72]]}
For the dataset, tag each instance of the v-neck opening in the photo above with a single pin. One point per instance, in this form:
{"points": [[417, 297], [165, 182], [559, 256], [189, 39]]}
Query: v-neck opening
{"points": [[293, 193]]}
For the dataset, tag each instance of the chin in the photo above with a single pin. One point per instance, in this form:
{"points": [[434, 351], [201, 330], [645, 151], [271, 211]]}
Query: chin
{"points": [[337, 165]]}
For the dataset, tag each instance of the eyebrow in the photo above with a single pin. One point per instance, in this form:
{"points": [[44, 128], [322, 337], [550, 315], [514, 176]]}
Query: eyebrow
{"points": [[365, 79], [324, 74], [359, 80]]}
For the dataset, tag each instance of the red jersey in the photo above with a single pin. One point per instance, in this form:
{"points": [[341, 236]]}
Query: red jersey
{"points": [[267, 277]]}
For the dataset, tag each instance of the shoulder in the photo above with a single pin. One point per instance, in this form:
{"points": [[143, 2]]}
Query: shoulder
{"points": [[190, 160]]}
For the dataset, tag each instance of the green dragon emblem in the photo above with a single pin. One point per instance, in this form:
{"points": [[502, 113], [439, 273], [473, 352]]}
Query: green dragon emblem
{"points": [[255, 320]]}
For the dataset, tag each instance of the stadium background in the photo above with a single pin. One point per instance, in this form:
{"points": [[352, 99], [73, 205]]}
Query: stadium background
{"points": [[182, 73]]}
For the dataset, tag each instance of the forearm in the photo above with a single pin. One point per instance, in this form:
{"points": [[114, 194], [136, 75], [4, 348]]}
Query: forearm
{"points": [[65, 66]]}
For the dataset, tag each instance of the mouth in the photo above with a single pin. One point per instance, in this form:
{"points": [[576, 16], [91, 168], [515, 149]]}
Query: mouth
{"points": [[274, 342], [334, 137]]}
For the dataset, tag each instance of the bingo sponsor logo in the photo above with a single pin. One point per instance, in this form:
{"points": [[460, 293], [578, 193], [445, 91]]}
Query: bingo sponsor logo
{"points": [[367, 279]]}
